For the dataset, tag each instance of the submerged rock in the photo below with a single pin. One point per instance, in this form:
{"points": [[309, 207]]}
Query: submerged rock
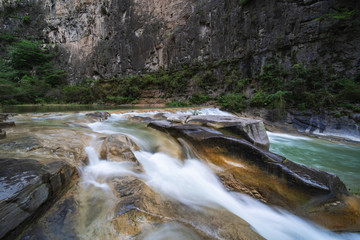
{"points": [[4, 116], [98, 116], [142, 210], [2, 134], [118, 147], [27, 186], [249, 129], [7, 124]]}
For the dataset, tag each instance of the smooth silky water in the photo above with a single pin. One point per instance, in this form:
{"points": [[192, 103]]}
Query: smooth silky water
{"points": [[338, 158], [187, 180]]}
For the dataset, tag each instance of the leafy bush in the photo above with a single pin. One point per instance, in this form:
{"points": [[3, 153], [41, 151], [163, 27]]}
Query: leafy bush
{"points": [[259, 99], [198, 99], [233, 101], [176, 103], [27, 74], [26, 54]]}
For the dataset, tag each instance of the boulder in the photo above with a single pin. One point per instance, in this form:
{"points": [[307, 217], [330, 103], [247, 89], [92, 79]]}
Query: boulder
{"points": [[7, 124], [98, 116], [141, 208], [2, 134], [4, 116], [249, 129], [118, 147], [23, 144], [214, 145], [27, 187]]}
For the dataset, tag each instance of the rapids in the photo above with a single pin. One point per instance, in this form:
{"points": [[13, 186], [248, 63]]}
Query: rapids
{"points": [[191, 182], [338, 158], [173, 170]]}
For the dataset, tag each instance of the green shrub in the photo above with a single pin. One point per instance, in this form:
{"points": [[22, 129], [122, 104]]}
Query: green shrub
{"points": [[26, 54], [243, 2], [176, 103], [259, 99], [233, 101], [350, 90], [198, 99]]}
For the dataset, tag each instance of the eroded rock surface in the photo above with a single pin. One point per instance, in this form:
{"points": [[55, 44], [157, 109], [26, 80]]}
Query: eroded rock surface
{"points": [[98, 116], [118, 147], [140, 208], [26, 186], [2, 133], [243, 167], [249, 129]]}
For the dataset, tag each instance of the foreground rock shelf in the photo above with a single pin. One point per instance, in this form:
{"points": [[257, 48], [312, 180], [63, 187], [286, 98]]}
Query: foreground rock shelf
{"points": [[27, 188]]}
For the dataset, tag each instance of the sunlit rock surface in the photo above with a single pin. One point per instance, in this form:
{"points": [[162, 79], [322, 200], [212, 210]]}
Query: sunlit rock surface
{"points": [[242, 167], [249, 129], [118, 148]]}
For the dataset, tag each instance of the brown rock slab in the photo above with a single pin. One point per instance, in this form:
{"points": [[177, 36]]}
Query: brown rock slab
{"points": [[249, 129], [118, 147]]}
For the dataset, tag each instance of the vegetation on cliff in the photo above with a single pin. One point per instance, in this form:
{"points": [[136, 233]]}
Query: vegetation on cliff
{"points": [[273, 87], [28, 74]]}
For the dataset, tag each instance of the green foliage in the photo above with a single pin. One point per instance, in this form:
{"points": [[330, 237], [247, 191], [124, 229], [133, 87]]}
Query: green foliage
{"points": [[272, 77], [198, 99], [27, 74], [233, 101], [243, 2], [26, 54], [176, 103], [259, 99], [7, 38], [342, 14], [350, 90], [26, 20]]}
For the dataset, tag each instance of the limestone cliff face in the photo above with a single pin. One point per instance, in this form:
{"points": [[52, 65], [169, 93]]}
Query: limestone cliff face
{"points": [[101, 39]]}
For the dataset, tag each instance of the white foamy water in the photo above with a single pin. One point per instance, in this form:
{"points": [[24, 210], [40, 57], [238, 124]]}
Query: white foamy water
{"points": [[205, 111], [194, 184]]}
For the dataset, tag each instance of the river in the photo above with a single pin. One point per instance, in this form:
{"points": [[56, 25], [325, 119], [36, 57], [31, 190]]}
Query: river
{"points": [[338, 158], [191, 181]]}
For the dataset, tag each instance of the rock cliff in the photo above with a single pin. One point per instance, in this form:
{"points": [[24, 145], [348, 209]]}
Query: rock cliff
{"points": [[101, 39]]}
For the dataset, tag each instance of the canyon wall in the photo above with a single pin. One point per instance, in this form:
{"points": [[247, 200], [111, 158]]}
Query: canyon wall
{"points": [[102, 39]]}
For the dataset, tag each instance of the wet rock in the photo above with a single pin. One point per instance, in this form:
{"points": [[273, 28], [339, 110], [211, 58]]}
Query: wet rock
{"points": [[176, 117], [98, 116], [57, 224], [27, 186], [141, 119], [356, 117], [307, 181], [4, 116], [140, 208], [7, 124], [118, 148], [25, 144], [323, 124], [2, 134], [249, 129]]}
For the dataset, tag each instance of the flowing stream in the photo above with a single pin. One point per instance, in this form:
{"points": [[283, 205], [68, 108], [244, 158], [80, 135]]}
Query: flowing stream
{"points": [[185, 179], [340, 159], [194, 184]]}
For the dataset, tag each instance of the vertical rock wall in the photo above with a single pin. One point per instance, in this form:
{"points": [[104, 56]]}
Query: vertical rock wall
{"points": [[101, 39]]}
